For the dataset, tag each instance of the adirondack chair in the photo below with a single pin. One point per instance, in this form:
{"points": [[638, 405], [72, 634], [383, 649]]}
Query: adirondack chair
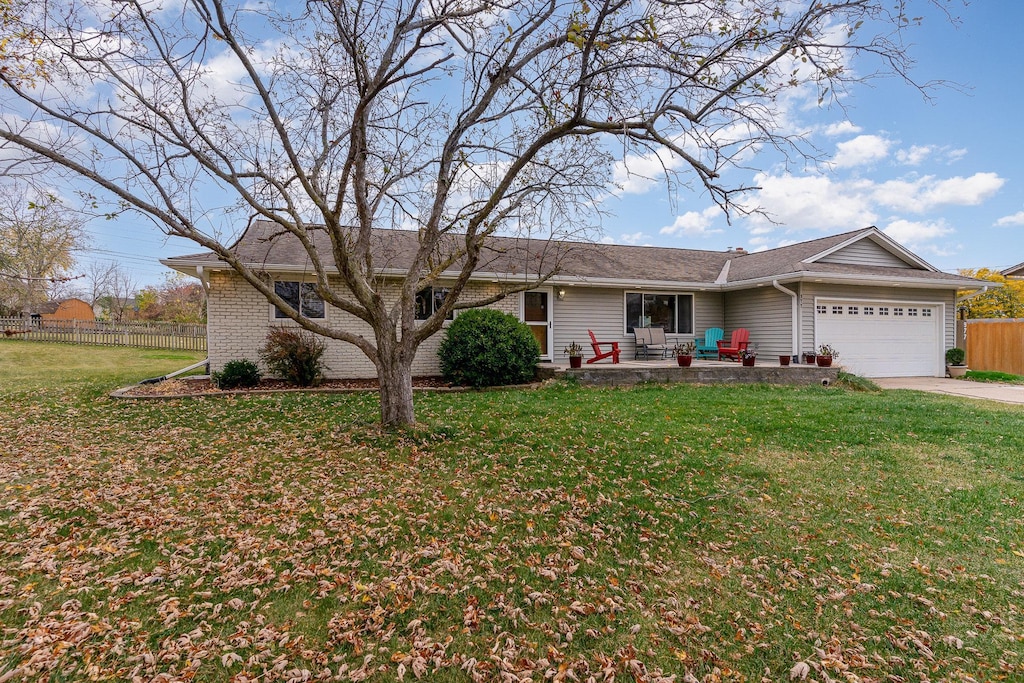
{"points": [[598, 353], [739, 341], [709, 347]]}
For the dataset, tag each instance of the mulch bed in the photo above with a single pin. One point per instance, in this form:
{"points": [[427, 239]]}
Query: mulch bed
{"points": [[202, 386]]}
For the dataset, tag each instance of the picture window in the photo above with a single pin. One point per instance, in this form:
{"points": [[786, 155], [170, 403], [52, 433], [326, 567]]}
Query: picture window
{"points": [[672, 312], [302, 297]]}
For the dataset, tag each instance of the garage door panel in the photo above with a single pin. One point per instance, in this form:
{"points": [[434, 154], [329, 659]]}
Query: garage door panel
{"points": [[881, 339]]}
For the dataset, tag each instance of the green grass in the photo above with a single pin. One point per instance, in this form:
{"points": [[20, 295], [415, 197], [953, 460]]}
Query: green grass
{"points": [[729, 533], [993, 376]]}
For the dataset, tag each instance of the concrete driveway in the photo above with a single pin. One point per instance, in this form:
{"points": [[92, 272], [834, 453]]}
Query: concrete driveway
{"points": [[1004, 393]]}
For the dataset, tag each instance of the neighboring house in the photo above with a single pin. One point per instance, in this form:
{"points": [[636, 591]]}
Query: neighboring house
{"points": [[1016, 271], [66, 309], [886, 310]]}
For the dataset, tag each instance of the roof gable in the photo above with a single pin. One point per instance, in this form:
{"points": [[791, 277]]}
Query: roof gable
{"points": [[871, 247]]}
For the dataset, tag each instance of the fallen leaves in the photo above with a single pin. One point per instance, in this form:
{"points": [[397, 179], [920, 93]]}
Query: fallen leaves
{"points": [[255, 540]]}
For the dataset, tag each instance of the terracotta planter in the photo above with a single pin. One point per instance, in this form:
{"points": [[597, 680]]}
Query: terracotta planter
{"points": [[784, 360], [809, 358], [748, 362], [824, 361], [575, 361], [956, 370], [684, 361]]}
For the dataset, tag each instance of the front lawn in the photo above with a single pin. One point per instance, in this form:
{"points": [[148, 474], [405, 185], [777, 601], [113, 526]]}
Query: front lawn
{"points": [[714, 533]]}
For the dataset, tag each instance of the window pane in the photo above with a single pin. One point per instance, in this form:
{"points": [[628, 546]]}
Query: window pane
{"points": [[423, 304], [312, 304], [661, 309], [440, 293], [535, 307], [685, 320], [289, 291], [634, 309]]}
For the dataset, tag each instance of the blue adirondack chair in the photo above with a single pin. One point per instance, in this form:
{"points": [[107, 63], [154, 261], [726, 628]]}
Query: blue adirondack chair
{"points": [[709, 347]]}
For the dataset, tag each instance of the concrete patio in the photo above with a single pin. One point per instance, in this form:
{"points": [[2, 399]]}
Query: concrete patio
{"points": [[700, 372]]}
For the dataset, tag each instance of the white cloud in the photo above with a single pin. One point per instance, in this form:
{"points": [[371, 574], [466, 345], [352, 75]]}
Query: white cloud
{"points": [[812, 202], [918, 235], [630, 238], [638, 174], [841, 128], [1015, 219], [915, 155], [861, 150], [928, 192], [694, 223]]}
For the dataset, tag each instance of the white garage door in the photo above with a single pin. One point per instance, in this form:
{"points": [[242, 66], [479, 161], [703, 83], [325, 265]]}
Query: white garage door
{"points": [[882, 338]]}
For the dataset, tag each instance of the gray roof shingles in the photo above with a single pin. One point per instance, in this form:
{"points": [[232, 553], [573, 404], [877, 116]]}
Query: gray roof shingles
{"points": [[263, 245]]}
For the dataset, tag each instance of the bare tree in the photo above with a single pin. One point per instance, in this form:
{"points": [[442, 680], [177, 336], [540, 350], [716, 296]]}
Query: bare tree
{"points": [[459, 118], [38, 236], [110, 287]]}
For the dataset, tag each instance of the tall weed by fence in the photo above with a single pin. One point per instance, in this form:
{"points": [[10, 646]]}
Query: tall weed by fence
{"points": [[144, 334]]}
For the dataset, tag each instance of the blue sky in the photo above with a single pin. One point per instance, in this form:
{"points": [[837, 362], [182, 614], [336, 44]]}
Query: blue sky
{"points": [[943, 177]]}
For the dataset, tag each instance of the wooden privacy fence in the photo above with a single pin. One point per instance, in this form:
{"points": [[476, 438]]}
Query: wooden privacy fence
{"points": [[153, 335], [996, 345]]}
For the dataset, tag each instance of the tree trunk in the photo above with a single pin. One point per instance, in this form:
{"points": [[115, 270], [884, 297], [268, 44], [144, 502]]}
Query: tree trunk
{"points": [[395, 379]]}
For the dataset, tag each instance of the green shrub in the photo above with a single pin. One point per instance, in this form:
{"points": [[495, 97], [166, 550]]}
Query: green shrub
{"points": [[485, 348], [955, 356], [236, 373], [295, 355]]}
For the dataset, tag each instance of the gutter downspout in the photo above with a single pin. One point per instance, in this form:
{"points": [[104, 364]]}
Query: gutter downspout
{"points": [[961, 299], [155, 380], [795, 350]]}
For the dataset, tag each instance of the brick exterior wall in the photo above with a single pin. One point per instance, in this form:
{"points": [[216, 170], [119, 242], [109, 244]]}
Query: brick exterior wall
{"points": [[239, 318]]}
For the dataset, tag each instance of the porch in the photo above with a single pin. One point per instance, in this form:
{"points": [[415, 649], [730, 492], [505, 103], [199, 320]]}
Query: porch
{"points": [[700, 372]]}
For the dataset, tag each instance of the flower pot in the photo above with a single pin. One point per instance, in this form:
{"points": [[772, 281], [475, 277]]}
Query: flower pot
{"points": [[749, 362], [809, 358], [784, 360], [824, 361], [956, 370], [684, 361], [575, 361]]}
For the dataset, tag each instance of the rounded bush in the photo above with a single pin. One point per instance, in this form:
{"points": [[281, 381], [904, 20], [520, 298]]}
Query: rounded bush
{"points": [[955, 356], [295, 355], [236, 373], [486, 348]]}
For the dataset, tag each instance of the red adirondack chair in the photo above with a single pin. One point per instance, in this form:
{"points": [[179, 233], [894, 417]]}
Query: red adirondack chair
{"points": [[598, 353], [739, 341]]}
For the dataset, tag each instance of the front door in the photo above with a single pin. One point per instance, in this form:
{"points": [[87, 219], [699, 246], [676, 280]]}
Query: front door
{"points": [[537, 314]]}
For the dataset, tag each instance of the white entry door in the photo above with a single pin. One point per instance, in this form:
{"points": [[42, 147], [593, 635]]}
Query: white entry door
{"points": [[883, 338], [537, 313]]}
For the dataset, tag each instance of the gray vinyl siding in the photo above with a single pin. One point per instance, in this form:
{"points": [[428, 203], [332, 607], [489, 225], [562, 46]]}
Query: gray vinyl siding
{"points": [[604, 312], [767, 313], [809, 291], [866, 253]]}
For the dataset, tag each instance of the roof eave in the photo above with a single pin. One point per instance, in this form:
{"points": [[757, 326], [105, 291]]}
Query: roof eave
{"points": [[853, 279]]}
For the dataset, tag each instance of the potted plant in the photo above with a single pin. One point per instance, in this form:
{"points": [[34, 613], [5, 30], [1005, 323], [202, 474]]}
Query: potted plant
{"points": [[748, 356], [784, 360], [810, 358], [575, 353], [825, 355], [955, 366], [684, 353]]}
